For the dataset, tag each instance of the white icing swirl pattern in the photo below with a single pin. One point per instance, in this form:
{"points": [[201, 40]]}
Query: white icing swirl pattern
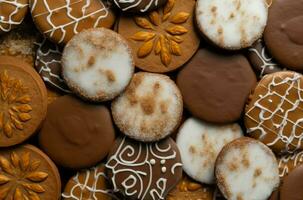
{"points": [[138, 163], [126, 5], [289, 162], [286, 109], [7, 22]]}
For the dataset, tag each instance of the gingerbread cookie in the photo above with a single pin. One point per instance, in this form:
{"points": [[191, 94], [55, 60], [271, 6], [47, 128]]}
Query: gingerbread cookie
{"points": [[89, 184], [97, 64], [139, 6], [163, 40], [76, 129], [262, 62], [216, 94], [200, 143], [12, 13], [291, 188], [274, 115], [289, 162], [283, 33], [248, 161], [232, 25], [48, 64], [145, 171], [23, 101], [60, 20], [27, 173], [150, 109]]}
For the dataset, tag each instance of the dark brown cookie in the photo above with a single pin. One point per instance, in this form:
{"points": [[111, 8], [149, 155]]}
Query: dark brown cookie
{"points": [[48, 64], [139, 6], [215, 86], [145, 171], [76, 134], [291, 188], [283, 33]]}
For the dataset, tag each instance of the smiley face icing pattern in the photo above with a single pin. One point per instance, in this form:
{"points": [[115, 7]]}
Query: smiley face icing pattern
{"points": [[146, 171], [274, 113]]}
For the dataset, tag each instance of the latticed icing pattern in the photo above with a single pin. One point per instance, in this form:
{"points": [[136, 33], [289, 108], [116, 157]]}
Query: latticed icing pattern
{"points": [[288, 162], [274, 114], [62, 19], [126, 5], [12, 13], [144, 169]]}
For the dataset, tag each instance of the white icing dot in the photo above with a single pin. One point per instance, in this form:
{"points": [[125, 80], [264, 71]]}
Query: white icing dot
{"points": [[270, 100], [152, 161], [163, 162], [163, 169]]}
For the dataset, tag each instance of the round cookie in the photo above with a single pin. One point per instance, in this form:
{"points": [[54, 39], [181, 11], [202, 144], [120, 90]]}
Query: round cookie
{"points": [[89, 184], [139, 6], [145, 171], [232, 25], [27, 173], [283, 33], [60, 20], [274, 115], [150, 109], [291, 188], [75, 129], [248, 161], [275, 195], [215, 86], [162, 40], [261, 61], [23, 101], [12, 13], [48, 64], [97, 64], [289, 162], [200, 143]]}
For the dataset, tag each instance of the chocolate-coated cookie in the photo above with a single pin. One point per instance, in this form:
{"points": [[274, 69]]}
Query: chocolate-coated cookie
{"points": [[60, 20], [48, 64], [289, 162], [291, 188], [215, 86], [145, 171], [76, 134], [138, 6], [274, 115], [283, 33]]}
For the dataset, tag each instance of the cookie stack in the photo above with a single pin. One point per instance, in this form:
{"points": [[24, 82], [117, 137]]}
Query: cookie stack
{"points": [[151, 99]]}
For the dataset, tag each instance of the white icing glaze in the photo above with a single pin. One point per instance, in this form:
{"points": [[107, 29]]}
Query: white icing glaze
{"points": [[86, 13], [79, 186], [292, 159], [120, 163], [135, 3], [292, 82], [9, 20]]}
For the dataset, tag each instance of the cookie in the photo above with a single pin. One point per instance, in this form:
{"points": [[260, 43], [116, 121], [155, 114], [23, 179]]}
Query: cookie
{"points": [[139, 6], [12, 13], [274, 115], [162, 40], [48, 65], [89, 184], [291, 188], [75, 129], [97, 64], [23, 101], [150, 109], [216, 94], [200, 143], [283, 33], [248, 161], [289, 162], [191, 190], [145, 171], [232, 25], [27, 173], [275, 195], [60, 20], [261, 61]]}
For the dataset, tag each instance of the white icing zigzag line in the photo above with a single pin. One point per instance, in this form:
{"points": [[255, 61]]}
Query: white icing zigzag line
{"points": [[295, 83], [74, 20], [136, 176], [133, 4], [295, 160], [84, 186], [18, 6]]}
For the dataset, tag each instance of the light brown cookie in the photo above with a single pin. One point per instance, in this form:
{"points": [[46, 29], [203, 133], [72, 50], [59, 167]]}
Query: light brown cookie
{"points": [[289, 162]]}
